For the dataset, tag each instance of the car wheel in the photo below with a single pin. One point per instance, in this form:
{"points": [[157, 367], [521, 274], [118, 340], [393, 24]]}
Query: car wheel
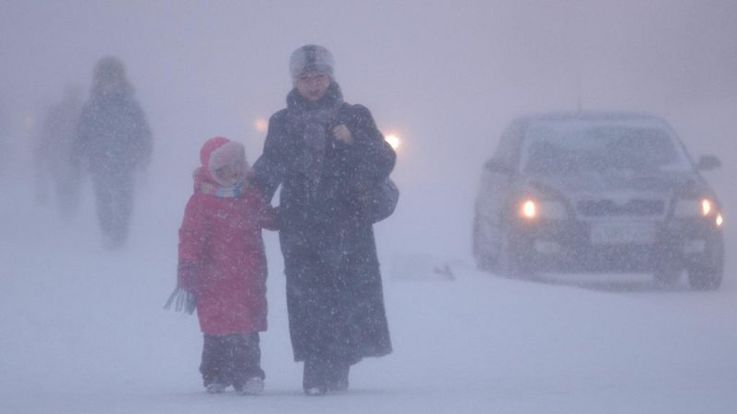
{"points": [[667, 276], [512, 260], [708, 275], [702, 278]]}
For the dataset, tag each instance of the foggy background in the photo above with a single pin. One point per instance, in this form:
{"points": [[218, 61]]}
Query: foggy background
{"points": [[447, 76]]}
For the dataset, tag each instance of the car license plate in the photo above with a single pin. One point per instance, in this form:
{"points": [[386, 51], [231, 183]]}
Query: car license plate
{"points": [[622, 233]]}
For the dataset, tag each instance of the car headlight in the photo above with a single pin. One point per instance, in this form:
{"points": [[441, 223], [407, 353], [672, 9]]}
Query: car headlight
{"points": [[719, 220], [531, 209], [696, 207]]}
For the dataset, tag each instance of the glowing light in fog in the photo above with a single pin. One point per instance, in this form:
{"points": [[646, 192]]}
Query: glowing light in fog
{"points": [[705, 206], [528, 209], [261, 125], [394, 140], [719, 220]]}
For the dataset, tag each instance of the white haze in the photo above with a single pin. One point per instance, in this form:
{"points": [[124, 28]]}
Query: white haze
{"points": [[82, 328]]}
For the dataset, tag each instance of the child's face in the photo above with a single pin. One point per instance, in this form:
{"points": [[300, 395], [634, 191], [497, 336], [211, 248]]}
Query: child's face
{"points": [[230, 174]]}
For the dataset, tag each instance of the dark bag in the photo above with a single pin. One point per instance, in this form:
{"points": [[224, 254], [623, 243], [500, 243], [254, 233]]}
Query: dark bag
{"points": [[382, 200]]}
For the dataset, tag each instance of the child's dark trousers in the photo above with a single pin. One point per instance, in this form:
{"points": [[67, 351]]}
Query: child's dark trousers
{"points": [[231, 359]]}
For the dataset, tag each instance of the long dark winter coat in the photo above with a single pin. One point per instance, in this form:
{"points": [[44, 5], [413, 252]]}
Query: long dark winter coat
{"points": [[334, 289]]}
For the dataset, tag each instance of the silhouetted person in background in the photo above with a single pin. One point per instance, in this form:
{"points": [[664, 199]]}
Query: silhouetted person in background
{"points": [[114, 140], [53, 153]]}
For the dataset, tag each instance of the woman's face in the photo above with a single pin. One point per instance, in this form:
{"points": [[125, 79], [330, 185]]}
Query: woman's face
{"points": [[313, 86]]}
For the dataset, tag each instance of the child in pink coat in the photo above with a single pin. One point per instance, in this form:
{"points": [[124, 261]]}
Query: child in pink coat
{"points": [[222, 267]]}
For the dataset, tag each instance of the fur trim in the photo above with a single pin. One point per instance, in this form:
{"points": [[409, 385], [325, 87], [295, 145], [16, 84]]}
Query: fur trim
{"points": [[218, 152], [228, 153]]}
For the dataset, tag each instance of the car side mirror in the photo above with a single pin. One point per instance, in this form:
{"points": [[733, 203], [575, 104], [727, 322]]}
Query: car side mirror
{"points": [[708, 162], [497, 165]]}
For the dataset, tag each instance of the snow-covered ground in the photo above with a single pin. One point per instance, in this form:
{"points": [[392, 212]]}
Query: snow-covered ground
{"points": [[83, 331]]}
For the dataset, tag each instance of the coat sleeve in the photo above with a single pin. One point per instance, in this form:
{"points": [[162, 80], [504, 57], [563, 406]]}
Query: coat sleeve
{"points": [[270, 168], [193, 234], [373, 157], [267, 218], [265, 213], [142, 144]]}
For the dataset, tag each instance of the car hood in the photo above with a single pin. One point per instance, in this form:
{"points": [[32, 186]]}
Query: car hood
{"points": [[593, 184]]}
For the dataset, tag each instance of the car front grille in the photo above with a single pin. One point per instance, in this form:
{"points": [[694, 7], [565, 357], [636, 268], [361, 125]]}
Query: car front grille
{"points": [[632, 207]]}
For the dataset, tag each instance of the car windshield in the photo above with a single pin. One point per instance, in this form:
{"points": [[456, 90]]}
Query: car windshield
{"points": [[561, 147]]}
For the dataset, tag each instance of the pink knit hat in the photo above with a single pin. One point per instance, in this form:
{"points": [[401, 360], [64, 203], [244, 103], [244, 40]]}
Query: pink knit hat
{"points": [[218, 152]]}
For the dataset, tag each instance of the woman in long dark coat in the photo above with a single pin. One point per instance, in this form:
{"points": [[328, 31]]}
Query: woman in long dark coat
{"points": [[327, 154]]}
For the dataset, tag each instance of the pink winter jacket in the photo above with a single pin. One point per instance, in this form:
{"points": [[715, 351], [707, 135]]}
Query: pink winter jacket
{"points": [[220, 240]]}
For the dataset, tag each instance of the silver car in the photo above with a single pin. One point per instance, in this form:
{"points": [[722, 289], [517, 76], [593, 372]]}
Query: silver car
{"points": [[598, 192]]}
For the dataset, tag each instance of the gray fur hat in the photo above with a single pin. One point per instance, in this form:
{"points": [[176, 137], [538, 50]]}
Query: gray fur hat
{"points": [[311, 58]]}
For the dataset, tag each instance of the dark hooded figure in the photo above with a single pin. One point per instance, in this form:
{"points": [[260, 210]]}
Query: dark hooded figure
{"points": [[326, 154], [113, 139]]}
